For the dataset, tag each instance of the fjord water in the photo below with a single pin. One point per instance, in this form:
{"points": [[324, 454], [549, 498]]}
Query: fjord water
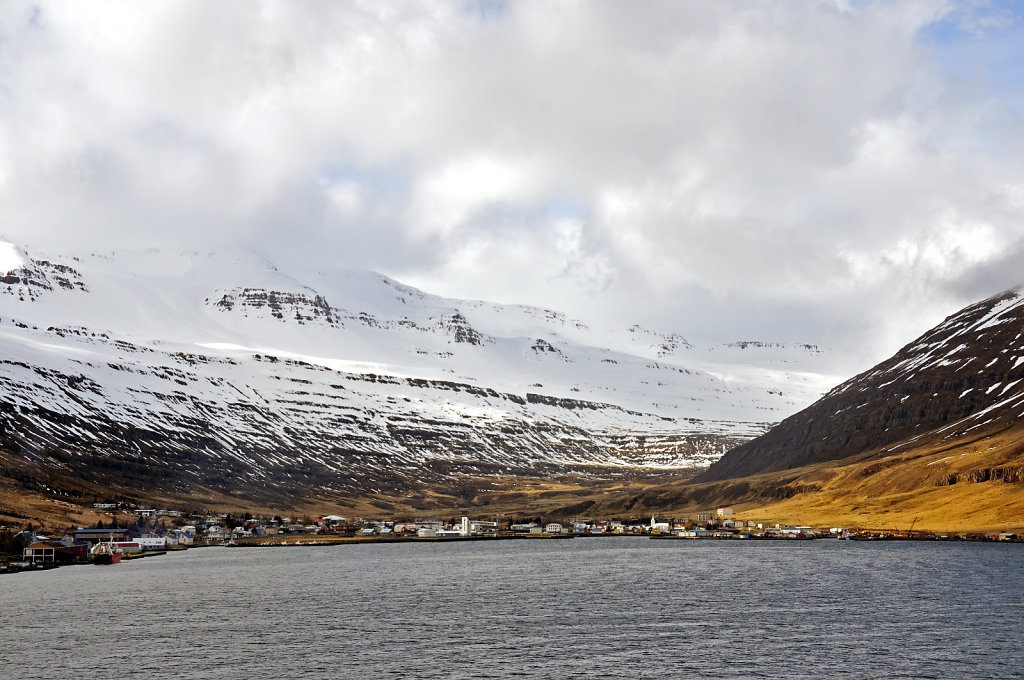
{"points": [[583, 608]]}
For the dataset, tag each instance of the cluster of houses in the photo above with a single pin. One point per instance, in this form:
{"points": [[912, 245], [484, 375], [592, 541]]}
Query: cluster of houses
{"points": [[78, 545], [702, 524], [207, 529], [216, 529]]}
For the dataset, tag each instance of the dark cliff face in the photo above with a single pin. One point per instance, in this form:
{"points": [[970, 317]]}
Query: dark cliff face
{"points": [[969, 365], [301, 307], [39, 278]]}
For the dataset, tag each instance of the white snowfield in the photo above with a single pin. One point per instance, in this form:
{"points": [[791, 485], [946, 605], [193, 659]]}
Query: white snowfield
{"points": [[190, 357]]}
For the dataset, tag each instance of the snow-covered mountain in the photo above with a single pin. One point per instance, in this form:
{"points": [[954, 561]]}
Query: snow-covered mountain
{"points": [[169, 371], [959, 384]]}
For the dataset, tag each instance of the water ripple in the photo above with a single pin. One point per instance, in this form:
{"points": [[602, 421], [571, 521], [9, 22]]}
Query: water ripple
{"points": [[587, 608]]}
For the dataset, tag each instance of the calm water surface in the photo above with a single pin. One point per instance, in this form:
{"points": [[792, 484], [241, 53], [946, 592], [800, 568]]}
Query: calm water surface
{"points": [[584, 608]]}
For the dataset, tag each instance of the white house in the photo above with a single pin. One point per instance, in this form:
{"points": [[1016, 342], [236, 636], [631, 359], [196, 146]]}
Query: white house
{"points": [[659, 526], [448, 533], [39, 553], [695, 533], [148, 543], [553, 528], [185, 537], [127, 547], [792, 532]]}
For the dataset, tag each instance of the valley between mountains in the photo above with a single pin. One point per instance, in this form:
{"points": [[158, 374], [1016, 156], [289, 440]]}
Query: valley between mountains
{"points": [[220, 380]]}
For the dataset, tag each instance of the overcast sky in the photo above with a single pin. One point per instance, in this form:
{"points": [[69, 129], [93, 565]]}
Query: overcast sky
{"points": [[838, 172]]}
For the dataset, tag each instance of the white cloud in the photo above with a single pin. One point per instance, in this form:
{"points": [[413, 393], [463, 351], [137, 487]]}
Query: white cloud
{"points": [[806, 170], [454, 193]]}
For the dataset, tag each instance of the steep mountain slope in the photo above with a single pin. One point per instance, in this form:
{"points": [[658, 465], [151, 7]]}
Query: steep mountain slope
{"points": [[956, 383], [174, 373]]}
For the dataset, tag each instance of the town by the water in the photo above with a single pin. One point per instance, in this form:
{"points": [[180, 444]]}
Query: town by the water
{"points": [[134, 533]]}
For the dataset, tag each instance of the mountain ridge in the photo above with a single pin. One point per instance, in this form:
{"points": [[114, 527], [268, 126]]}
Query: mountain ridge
{"points": [[926, 385], [181, 371]]}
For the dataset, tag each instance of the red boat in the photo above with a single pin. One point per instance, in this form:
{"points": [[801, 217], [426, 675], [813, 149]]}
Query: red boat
{"points": [[104, 553]]}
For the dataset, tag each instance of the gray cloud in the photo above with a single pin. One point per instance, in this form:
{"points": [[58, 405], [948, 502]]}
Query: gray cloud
{"points": [[809, 170]]}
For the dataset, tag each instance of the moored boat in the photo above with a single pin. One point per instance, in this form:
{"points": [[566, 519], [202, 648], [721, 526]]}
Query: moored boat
{"points": [[104, 553]]}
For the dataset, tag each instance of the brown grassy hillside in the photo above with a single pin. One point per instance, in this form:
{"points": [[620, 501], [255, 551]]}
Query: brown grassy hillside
{"points": [[945, 481], [977, 486]]}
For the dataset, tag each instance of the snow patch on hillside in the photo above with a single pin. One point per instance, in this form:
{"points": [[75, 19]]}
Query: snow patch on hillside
{"points": [[338, 360]]}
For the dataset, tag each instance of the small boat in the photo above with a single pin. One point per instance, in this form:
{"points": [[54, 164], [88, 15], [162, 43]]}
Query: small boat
{"points": [[105, 553]]}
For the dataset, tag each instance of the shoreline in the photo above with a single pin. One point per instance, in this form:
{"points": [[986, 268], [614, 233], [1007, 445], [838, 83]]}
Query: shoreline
{"points": [[312, 540], [317, 539], [322, 541]]}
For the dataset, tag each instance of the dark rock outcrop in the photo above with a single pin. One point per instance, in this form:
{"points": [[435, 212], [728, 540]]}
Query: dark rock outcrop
{"points": [[971, 366]]}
